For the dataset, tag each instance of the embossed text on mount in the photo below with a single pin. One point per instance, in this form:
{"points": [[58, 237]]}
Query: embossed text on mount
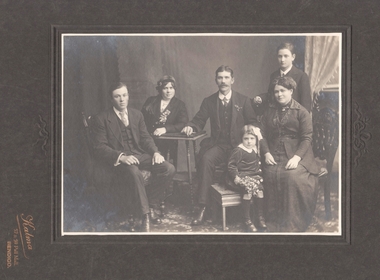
{"points": [[27, 229], [27, 225]]}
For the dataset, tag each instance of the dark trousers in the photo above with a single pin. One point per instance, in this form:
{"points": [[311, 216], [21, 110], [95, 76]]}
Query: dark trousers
{"points": [[162, 175], [215, 155]]}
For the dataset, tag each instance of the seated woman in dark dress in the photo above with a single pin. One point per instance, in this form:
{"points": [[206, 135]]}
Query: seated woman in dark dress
{"points": [[290, 171], [165, 113]]}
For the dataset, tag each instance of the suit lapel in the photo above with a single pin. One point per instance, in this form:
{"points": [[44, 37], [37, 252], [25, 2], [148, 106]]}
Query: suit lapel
{"points": [[216, 102], [234, 110], [291, 71], [133, 124], [114, 126]]}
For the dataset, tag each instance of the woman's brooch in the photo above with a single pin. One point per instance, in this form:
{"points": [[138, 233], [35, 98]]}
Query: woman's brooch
{"points": [[164, 116], [238, 108]]}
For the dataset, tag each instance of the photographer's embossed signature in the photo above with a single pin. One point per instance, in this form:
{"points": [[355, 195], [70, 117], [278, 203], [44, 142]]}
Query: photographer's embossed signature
{"points": [[26, 228], [21, 242]]}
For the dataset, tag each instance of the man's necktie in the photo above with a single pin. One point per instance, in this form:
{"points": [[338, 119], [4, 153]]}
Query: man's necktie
{"points": [[225, 101], [124, 119]]}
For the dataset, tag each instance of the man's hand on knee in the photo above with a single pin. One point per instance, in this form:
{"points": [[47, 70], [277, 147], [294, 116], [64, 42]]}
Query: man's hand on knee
{"points": [[129, 160], [157, 159]]}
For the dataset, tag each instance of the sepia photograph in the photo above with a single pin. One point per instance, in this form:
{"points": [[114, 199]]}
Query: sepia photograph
{"points": [[201, 133]]}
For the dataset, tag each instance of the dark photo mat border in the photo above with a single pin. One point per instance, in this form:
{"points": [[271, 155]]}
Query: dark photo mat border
{"points": [[346, 129]]}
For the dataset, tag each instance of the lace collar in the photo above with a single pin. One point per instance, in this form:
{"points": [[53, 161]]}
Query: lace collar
{"points": [[241, 146]]}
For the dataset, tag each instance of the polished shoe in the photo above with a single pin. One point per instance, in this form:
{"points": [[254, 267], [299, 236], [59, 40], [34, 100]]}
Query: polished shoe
{"points": [[199, 216], [145, 223], [154, 217], [249, 227]]}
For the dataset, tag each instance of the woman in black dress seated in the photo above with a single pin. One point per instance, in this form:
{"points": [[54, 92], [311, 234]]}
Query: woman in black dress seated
{"points": [[165, 113], [290, 171]]}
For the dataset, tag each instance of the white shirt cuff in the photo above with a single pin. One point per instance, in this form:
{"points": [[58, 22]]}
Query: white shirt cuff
{"points": [[118, 160]]}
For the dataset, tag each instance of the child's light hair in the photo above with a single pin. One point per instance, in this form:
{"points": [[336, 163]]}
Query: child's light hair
{"points": [[253, 130]]}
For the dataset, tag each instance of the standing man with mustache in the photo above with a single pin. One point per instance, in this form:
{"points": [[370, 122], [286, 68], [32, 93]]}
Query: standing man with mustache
{"points": [[228, 112]]}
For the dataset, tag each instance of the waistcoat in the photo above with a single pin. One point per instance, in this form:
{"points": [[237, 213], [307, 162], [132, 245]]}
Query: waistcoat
{"points": [[225, 117], [129, 145]]}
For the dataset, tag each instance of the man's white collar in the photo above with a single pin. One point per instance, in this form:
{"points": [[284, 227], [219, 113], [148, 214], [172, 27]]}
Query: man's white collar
{"points": [[283, 73], [228, 95], [118, 112]]}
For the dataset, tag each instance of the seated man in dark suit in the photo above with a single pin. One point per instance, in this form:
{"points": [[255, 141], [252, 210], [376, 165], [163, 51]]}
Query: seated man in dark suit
{"points": [[228, 112], [123, 143]]}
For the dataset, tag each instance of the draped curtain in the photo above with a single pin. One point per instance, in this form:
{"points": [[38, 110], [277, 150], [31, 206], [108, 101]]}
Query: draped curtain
{"points": [[321, 61]]}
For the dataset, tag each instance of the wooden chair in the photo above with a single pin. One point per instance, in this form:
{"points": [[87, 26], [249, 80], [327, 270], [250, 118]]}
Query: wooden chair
{"points": [[326, 138], [223, 197]]}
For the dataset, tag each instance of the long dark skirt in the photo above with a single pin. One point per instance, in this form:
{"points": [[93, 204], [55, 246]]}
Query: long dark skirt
{"points": [[290, 196]]}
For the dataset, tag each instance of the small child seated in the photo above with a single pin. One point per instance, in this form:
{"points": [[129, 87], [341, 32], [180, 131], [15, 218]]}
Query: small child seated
{"points": [[244, 176]]}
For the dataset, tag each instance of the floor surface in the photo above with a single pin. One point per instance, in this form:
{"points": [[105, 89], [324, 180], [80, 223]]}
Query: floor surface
{"points": [[82, 214]]}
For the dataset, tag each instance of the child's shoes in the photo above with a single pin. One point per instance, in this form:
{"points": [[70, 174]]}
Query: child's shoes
{"points": [[262, 225], [249, 226]]}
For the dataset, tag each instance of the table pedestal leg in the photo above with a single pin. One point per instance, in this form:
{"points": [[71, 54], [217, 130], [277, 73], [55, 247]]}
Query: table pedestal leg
{"points": [[189, 170], [195, 156], [195, 150]]}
